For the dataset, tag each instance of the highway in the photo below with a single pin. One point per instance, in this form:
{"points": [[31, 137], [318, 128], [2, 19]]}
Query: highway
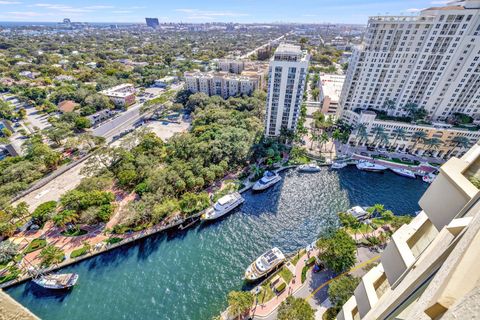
{"points": [[262, 46]]}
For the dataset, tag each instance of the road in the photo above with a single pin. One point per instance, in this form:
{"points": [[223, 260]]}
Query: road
{"points": [[262, 46]]}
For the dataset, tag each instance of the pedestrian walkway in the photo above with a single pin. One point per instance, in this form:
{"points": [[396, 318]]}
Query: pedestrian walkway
{"points": [[265, 309]]}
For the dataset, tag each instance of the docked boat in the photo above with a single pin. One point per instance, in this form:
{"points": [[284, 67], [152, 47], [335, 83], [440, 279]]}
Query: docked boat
{"points": [[223, 206], [428, 178], [338, 165], [57, 281], [404, 173], [311, 167], [264, 264], [369, 166], [269, 179], [358, 212]]}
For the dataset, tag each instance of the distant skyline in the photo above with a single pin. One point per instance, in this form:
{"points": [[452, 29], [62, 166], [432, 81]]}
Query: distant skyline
{"points": [[242, 11]]}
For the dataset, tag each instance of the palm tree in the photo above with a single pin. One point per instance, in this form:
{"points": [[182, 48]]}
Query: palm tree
{"points": [[458, 141], [314, 137], [323, 139], [383, 139], [361, 132], [411, 108], [377, 131], [336, 136], [417, 136], [51, 255], [399, 133], [239, 302], [65, 217], [389, 105], [432, 143]]}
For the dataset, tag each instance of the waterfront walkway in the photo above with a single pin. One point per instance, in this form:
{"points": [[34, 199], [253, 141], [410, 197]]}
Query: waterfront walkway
{"points": [[315, 287]]}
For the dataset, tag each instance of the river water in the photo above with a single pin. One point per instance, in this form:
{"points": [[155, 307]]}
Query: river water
{"points": [[186, 275]]}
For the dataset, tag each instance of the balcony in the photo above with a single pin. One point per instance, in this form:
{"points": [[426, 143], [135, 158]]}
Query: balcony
{"points": [[349, 310], [373, 286], [451, 190], [406, 245]]}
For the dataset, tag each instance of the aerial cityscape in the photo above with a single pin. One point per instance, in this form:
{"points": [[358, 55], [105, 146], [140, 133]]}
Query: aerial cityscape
{"points": [[240, 160]]}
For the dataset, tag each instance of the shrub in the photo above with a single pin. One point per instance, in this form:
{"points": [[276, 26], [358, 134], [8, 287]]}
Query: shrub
{"points": [[281, 287], [79, 252], [113, 240], [44, 211], [35, 245]]}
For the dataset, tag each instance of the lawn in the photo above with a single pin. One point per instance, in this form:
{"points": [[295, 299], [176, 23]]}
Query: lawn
{"points": [[35, 245], [267, 293], [113, 240], [295, 260], [79, 252]]}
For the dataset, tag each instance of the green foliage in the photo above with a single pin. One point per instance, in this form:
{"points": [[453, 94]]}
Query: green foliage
{"points": [[113, 240], [191, 203], [295, 309], [35, 245], [8, 250], [74, 232], [341, 289], [81, 251], [239, 302], [337, 250], [51, 255], [44, 211]]}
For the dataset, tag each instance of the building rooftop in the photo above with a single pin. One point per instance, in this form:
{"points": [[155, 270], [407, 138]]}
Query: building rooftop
{"points": [[332, 85]]}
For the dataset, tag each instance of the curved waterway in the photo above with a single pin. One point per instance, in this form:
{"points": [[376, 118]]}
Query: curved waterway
{"points": [[186, 275]]}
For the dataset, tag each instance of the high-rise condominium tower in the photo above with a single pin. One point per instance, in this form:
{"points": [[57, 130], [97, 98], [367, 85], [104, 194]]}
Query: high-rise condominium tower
{"points": [[286, 80], [432, 60]]}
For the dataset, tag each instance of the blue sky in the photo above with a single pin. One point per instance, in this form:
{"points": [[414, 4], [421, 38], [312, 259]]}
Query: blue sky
{"points": [[306, 11]]}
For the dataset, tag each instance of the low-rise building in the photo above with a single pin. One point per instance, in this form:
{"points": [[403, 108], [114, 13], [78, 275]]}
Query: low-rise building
{"points": [[429, 269], [223, 83], [330, 90], [165, 81], [409, 140], [232, 66], [101, 116], [122, 95]]}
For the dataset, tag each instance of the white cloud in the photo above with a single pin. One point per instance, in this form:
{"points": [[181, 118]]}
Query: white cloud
{"points": [[197, 14], [414, 10], [69, 9], [121, 11], [440, 1], [9, 2], [24, 14]]}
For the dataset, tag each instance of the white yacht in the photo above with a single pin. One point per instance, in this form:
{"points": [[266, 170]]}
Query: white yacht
{"points": [[223, 206], [311, 167], [338, 165], [369, 166], [57, 281], [358, 212], [404, 173], [428, 178], [269, 179], [264, 264]]}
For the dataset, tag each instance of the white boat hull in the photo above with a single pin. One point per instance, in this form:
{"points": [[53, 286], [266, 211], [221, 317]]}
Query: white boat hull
{"points": [[43, 282], [406, 174], [370, 167], [221, 213], [259, 187], [336, 165]]}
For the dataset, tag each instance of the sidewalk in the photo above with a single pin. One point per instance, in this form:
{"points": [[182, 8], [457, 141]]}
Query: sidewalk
{"points": [[265, 309]]}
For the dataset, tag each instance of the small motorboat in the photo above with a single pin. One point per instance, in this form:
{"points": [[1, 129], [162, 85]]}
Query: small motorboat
{"points": [[338, 165], [269, 179], [223, 206], [428, 178], [264, 264], [370, 166], [57, 281], [311, 167], [404, 173]]}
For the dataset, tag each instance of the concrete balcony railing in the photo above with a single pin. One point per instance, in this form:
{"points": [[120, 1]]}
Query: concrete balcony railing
{"points": [[372, 287], [450, 191], [406, 245], [349, 310]]}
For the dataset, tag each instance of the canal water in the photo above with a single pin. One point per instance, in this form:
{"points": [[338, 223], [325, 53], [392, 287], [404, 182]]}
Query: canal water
{"points": [[186, 275]]}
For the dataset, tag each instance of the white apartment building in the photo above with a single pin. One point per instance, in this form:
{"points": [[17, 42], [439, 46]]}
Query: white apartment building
{"points": [[232, 66], [430, 267], [409, 143], [432, 60], [122, 95], [222, 83], [330, 89], [287, 72]]}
